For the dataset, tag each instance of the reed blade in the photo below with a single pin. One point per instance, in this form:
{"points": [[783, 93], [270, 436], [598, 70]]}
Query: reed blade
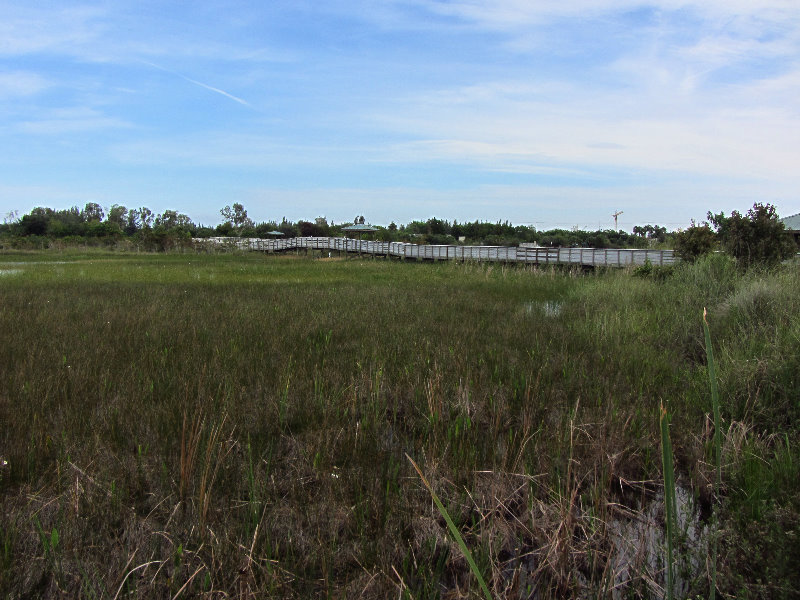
{"points": [[712, 378], [454, 530]]}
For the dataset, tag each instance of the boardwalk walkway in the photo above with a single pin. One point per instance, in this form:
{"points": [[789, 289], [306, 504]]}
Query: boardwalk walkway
{"points": [[592, 257]]}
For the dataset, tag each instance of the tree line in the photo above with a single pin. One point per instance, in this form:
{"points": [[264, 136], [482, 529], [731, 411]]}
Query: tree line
{"points": [[95, 226], [757, 236]]}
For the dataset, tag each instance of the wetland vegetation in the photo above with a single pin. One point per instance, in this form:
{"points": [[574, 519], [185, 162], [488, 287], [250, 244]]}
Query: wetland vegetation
{"points": [[237, 425]]}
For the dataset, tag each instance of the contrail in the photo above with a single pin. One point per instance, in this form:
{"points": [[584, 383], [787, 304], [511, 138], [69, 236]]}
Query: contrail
{"points": [[213, 89], [199, 83]]}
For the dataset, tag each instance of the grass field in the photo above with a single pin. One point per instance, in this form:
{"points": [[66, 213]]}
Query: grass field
{"points": [[237, 426]]}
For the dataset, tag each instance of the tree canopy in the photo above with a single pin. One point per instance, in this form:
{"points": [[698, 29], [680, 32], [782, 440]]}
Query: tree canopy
{"points": [[755, 238]]}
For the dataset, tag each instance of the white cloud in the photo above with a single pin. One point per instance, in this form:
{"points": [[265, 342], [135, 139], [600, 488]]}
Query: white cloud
{"points": [[689, 91], [516, 14], [209, 149], [70, 120], [23, 198], [726, 133], [117, 34], [25, 29], [673, 205], [21, 83]]}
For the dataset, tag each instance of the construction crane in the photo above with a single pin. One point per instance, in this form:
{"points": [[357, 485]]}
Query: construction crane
{"points": [[615, 215]]}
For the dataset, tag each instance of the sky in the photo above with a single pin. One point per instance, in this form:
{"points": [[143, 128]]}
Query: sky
{"points": [[550, 114]]}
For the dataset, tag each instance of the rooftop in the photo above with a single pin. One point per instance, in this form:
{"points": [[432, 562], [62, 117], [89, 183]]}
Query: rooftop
{"points": [[360, 228], [792, 223]]}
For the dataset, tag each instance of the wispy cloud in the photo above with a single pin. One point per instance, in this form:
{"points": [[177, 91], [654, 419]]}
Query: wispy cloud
{"points": [[515, 14], [23, 197], [494, 104], [26, 29], [21, 83], [70, 120], [718, 138], [246, 151], [541, 205]]}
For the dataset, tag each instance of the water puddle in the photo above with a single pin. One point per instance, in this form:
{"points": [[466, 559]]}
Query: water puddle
{"points": [[32, 263], [638, 544], [633, 546], [549, 308]]}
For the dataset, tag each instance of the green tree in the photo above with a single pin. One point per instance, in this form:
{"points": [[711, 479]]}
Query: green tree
{"points": [[172, 219], [225, 229], [237, 215], [262, 229], [67, 222], [758, 237], [92, 212], [438, 226], [36, 222], [102, 229], [651, 232], [146, 217], [307, 229], [694, 242], [134, 222], [118, 215]]}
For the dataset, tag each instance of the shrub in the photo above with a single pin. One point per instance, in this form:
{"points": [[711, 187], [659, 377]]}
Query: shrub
{"points": [[758, 237], [695, 242]]}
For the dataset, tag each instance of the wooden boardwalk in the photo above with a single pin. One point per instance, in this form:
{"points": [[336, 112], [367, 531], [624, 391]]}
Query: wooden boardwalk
{"points": [[590, 257]]}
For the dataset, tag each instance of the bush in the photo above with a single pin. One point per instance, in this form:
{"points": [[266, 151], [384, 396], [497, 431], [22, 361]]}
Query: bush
{"points": [[758, 237], [655, 272], [695, 242]]}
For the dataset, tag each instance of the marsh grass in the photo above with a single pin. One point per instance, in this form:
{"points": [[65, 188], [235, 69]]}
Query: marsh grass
{"points": [[476, 571], [238, 424], [712, 378], [670, 507]]}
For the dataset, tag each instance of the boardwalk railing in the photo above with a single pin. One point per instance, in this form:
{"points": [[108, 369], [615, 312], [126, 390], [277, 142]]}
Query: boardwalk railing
{"points": [[541, 256]]}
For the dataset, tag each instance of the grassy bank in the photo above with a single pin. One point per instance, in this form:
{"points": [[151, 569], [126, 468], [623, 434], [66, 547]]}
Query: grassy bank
{"points": [[237, 425]]}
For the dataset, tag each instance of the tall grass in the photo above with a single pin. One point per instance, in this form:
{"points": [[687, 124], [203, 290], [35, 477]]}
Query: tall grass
{"points": [[211, 424], [670, 508], [712, 378]]}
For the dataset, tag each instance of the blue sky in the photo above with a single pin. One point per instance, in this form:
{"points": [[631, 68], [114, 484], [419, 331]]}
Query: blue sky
{"points": [[554, 114]]}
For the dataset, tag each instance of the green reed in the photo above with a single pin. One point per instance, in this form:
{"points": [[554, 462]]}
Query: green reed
{"points": [[454, 530], [670, 509], [712, 378]]}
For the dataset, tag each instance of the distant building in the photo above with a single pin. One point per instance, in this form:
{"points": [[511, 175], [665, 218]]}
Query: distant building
{"points": [[359, 228], [792, 225]]}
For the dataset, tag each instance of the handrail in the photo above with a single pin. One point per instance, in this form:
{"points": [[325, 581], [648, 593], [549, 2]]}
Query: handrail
{"points": [[608, 257]]}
